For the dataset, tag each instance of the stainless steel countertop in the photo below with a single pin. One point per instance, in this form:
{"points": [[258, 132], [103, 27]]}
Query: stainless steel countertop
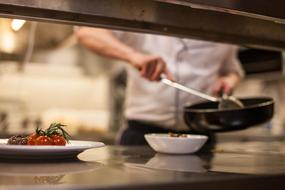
{"points": [[231, 165]]}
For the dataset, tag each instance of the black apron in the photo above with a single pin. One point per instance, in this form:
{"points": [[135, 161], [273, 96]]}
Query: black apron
{"points": [[134, 133]]}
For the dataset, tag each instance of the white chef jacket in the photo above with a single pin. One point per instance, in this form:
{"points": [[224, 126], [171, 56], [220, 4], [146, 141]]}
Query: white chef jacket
{"points": [[196, 64]]}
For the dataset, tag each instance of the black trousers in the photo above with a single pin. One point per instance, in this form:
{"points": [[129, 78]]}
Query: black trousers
{"points": [[135, 131]]}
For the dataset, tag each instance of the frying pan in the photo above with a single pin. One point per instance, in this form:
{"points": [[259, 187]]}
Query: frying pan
{"points": [[205, 117]]}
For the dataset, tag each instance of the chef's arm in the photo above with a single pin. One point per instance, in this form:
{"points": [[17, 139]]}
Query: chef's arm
{"points": [[105, 43], [230, 74]]}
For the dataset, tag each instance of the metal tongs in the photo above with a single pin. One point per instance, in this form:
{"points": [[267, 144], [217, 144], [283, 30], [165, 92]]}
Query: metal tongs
{"points": [[225, 101]]}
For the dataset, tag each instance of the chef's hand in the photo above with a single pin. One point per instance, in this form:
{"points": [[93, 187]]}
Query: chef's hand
{"points": [[226, 84], [151, 67]]}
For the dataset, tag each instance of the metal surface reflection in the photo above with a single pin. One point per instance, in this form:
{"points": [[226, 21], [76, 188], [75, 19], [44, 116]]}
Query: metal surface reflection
{"points": [[181, 163], [44, 169]]}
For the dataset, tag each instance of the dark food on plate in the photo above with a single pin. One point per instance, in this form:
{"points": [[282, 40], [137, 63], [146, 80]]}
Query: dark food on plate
{"points": [[54, 135], [18, 140], [177, 135]]}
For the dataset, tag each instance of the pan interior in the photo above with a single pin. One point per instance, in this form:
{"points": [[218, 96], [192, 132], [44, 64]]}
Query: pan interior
{"points": [[213, 106]]}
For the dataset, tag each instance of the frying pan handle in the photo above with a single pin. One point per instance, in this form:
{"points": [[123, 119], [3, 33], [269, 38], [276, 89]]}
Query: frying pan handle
{"points": [[189, 90]]}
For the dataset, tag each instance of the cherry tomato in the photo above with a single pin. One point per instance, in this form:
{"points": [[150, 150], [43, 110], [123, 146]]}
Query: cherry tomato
{"points": [[58, 140], [44, 140], [32, 139]]}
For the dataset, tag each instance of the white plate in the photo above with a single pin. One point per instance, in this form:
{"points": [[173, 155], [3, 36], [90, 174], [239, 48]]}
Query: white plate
{"points": [[70, 150], [164, 143]]}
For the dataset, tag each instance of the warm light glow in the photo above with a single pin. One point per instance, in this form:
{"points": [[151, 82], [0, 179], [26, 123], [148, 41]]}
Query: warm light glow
{"points": [[7, 42], [17, 24]]}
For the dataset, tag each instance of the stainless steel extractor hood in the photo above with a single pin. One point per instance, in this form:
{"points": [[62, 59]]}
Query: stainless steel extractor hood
{"points": [[253, 23]]}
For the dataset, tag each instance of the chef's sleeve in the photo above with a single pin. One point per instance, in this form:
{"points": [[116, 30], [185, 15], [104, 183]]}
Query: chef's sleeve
{"points": [[231, 63]]}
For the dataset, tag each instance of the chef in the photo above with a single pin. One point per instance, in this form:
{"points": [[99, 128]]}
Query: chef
{"points": [[151, 106]]}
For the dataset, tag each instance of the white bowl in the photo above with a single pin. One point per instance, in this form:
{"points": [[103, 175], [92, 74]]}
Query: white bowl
{"points": [[164, 143]]}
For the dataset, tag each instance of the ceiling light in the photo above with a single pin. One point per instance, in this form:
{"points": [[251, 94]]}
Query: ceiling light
{"points": [[17, 24]]}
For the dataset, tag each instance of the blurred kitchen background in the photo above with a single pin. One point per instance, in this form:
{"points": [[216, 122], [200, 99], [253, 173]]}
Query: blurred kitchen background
{"points": [[46, 76]]}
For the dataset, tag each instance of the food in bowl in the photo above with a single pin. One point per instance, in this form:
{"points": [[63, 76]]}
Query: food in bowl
{"points": [[55, 134], [177, 135], [164, 143]]}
